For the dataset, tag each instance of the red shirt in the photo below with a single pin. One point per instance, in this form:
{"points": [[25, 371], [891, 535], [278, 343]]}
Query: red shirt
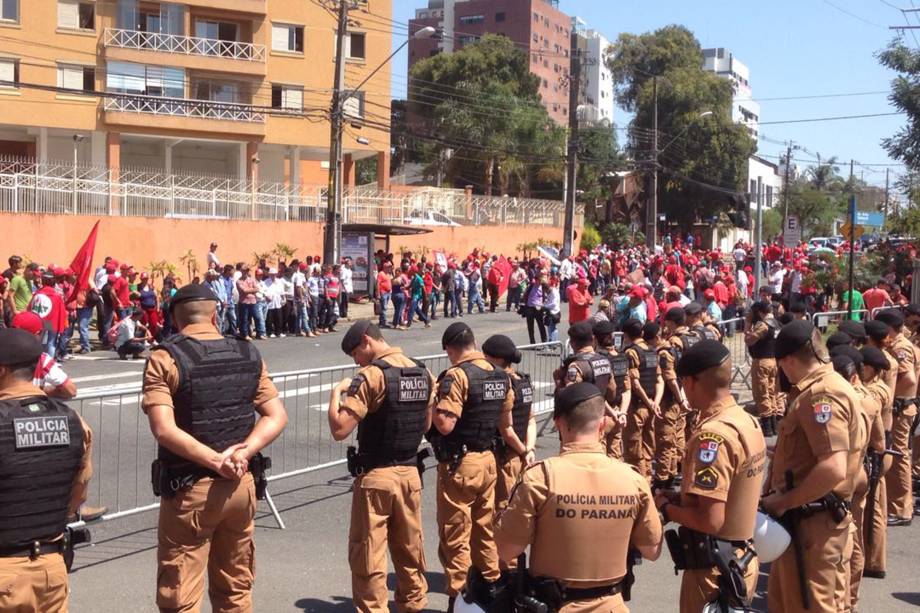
{"points": [[48, 304], [875, 298], [122, 291], [579, 303], [429, 282], [384, 284]]}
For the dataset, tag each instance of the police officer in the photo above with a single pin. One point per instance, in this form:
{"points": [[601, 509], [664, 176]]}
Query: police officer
{"points": [[580, 513], [388, 402], [606, 346], [648, 388], [760, 340], [898, 478], [674, 405], [201, 394], [856, 330], [811, 477], [44, 468], [722, 475], [912, 322], [515, 445], [473, 398]]}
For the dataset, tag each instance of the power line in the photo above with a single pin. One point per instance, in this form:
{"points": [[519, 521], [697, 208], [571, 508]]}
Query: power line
{"points": [[838, 118], [853, 15]]}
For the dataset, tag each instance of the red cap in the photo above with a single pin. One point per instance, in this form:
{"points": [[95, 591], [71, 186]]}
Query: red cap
{"points": [[110, 267], [748, 269], [28, 321], [303, 266], [637, 292], [59, 272], [259, 272], [144, 275], [111, 278], [709, 294]]}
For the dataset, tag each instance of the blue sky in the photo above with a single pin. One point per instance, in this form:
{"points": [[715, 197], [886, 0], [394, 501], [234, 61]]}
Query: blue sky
{"points": [[792, 47]]}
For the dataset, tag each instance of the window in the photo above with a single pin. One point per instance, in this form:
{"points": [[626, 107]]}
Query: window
{"points": [[353, 107], [499, 17], [219, 91], [9, 73], [78, 78], [9, 10], [138, 79], [434, 52], [753, 189], [356, 46], [287, 97], [75, 15], [217, 30], [536, 17], [469, 20], [287, 38]]}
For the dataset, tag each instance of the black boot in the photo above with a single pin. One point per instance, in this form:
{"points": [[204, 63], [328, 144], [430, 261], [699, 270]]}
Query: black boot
{"points": [[774, 424], [765, 425]]}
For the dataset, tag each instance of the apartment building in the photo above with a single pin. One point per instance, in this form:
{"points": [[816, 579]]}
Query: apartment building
{"points": [[596, 102], [238, 87], [537, 27], [724, 63]]}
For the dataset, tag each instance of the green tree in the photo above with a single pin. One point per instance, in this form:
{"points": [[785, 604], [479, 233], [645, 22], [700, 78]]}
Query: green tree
{"points": [[696, 152], [599, 156], [904, 145], [772, 224]]}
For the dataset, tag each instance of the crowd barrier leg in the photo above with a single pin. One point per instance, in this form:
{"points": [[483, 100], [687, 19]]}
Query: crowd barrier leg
{"points": [[274, 510]]}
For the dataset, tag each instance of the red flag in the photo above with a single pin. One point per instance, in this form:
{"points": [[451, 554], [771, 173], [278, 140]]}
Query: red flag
{"points": [[82, 264], [503, 265]]}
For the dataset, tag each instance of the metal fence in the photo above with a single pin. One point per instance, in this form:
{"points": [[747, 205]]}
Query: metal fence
{"points": [[123, 447], [825, 318]]}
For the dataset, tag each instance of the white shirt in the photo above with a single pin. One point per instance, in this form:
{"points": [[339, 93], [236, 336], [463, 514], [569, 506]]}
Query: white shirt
{"points": [[796, 282], [776, 281], [345, 276], [100, 278], [274, 293], [740, 254], [566, 268], [213, 262], [126, 330], [742, 280], [49, 375]]}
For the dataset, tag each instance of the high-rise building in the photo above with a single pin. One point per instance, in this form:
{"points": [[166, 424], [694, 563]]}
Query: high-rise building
{"points": [[723, 63], [596, 102], [236, 87], [537, 27]]}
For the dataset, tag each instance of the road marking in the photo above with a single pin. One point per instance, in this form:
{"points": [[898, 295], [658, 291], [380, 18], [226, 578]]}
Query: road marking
{"points": [[114, 375]]}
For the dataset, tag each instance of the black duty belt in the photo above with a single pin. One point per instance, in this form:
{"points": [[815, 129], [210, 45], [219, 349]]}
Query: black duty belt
{"points": [[34, 550], [570, 594]]}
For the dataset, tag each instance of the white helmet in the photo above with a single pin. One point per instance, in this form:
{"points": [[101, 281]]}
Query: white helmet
{"points": [[770, 538], [462, 605]]}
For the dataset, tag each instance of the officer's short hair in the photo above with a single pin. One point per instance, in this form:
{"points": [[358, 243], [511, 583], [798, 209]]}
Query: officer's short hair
{"points": [[633, 328], [585, 413]]}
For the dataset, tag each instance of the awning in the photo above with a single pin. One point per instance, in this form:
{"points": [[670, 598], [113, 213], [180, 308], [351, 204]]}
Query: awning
{"points": [[383, 229]]}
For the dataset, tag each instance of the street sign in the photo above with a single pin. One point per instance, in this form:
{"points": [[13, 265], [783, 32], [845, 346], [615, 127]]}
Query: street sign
{"points": [[792, 231], [865, 218], [845, 231]]}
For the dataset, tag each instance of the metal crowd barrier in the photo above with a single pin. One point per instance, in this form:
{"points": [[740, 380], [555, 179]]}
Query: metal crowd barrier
{"points": [[824, 318], [124, 448], [878, 310], [733, 338]]}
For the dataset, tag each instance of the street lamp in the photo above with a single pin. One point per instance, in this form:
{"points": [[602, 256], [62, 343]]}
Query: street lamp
{"points": [[77, 139], [333, 237]]}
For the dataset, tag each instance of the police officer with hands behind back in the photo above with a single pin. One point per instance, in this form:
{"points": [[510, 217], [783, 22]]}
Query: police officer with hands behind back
{"points": [[388, 402], [473, 399], [44, 471], [580, 513], [604, 339], [201, 394], [722, 475]]}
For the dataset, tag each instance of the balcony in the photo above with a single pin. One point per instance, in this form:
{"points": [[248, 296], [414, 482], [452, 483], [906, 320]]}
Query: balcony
{"points": [[186, 51], [184, 115]]}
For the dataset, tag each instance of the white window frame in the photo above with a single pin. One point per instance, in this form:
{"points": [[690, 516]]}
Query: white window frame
{"points": [[65, 73], [291, 97], [9, 66], [348, 55], [4, 19], [289, 30], [68, 15]]}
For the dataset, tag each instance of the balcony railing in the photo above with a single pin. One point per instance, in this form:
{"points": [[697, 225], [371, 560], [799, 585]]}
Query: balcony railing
{"points": [[184, 45], [178, 107]]}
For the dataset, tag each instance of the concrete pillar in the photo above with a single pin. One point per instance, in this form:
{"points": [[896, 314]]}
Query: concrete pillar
{"points": [[42, 153], [98, 149], [383, 170], [113, 162], [252, 161], [295, 168], [243, 162], [348, 171], [167, 156]]}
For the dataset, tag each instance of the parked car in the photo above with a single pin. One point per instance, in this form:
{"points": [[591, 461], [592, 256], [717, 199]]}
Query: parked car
{"points": [[819, 242], [429, 218]]}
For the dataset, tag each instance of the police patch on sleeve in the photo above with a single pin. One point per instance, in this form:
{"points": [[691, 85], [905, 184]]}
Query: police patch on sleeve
{"points": [[706, 478], [445, 385], [355, 385], [823, 411], [709, 447], [571, 375]]}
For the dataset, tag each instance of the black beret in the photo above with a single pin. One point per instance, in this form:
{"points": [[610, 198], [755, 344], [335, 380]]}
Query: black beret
{"points": [[604, 327], [193, 292], [837, 339], [650, 330], [355, 335], [693, 308], [702, 356], [500, 346], [841, 363], [854, 328], [633, 328], [874, 357], [891, 317], [762, 306], [453, 331], [793, 337], [581, 331], [877, 330], [912, 309], [18, 347], [849, 351], [570, 397], [675, 314]]}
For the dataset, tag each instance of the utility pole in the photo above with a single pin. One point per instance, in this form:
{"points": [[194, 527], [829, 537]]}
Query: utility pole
{"points": [[852, 239], [885, 210], [333, 234], [571, 171], [786, 185], [651, 221], [758, 245]]}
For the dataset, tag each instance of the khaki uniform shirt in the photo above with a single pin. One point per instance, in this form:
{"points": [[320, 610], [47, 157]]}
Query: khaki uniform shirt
{"points": [[634, 364], [758, 331], [725, 460], [626, 384], [889, 378], [666, 359], [452, 390], [823, 418], [883, 394], [905, 354], [25, 389], [368, 388], [574, 375], [580, 512], [161, 376]]}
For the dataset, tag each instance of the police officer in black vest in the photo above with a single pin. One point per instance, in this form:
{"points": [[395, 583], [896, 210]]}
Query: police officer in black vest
{"points": [[586, 364], [605, 342], [647, 391], [201, 395], [44, 470]]}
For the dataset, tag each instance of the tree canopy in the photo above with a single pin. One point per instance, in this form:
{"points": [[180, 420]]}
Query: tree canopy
{"points": [[904, 145]]}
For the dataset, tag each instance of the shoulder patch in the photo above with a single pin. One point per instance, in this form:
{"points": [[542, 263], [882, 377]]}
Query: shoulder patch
{"points": [[706, 478], [571, 375], [823, 410], [709, 447], [356, 382], [447, 382]]}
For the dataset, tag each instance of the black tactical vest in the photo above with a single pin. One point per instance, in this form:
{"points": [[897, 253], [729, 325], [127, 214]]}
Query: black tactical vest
{"points": [[41, 449], [705, 332], [766, 347], [390, 436], [595, 368], [619, 370], [487, 392], [648, 369], [218, 381], [523, 401]]}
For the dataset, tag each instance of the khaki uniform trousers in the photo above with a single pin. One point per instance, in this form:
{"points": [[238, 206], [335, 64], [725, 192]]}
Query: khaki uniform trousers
{"points": [[466, 504], [667, 453], [875, 555], [900, 497], [33, 586], [763, 387], [608, 604], [639, 438], [386, 510], [858, 559], [510, 466], [208, 526], [613, 440], [827, 548], [701, 586]]}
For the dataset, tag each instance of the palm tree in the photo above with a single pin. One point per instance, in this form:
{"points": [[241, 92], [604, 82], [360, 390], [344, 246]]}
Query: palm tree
{"points": [[191, 263], [283, 252], [824, 174]]}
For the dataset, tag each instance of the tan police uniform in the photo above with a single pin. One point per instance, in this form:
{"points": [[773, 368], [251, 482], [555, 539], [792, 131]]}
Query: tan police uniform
{"points": [[823, 418], [915, 467], [763, 369], [667, 443], [580, 513], [613, 430], [510, 463], [466, 495], [898, 478], [194, 534], [874, 553], [40, 584], [639, 435], [386, 505], [724, 461], [573, 373]]}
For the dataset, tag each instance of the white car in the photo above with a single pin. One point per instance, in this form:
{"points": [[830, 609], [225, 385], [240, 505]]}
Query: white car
{"points": [[819, 242], [429, 218]]}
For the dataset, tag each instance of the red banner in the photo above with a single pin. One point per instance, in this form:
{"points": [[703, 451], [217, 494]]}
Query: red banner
{"points": [[82, 264]]}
